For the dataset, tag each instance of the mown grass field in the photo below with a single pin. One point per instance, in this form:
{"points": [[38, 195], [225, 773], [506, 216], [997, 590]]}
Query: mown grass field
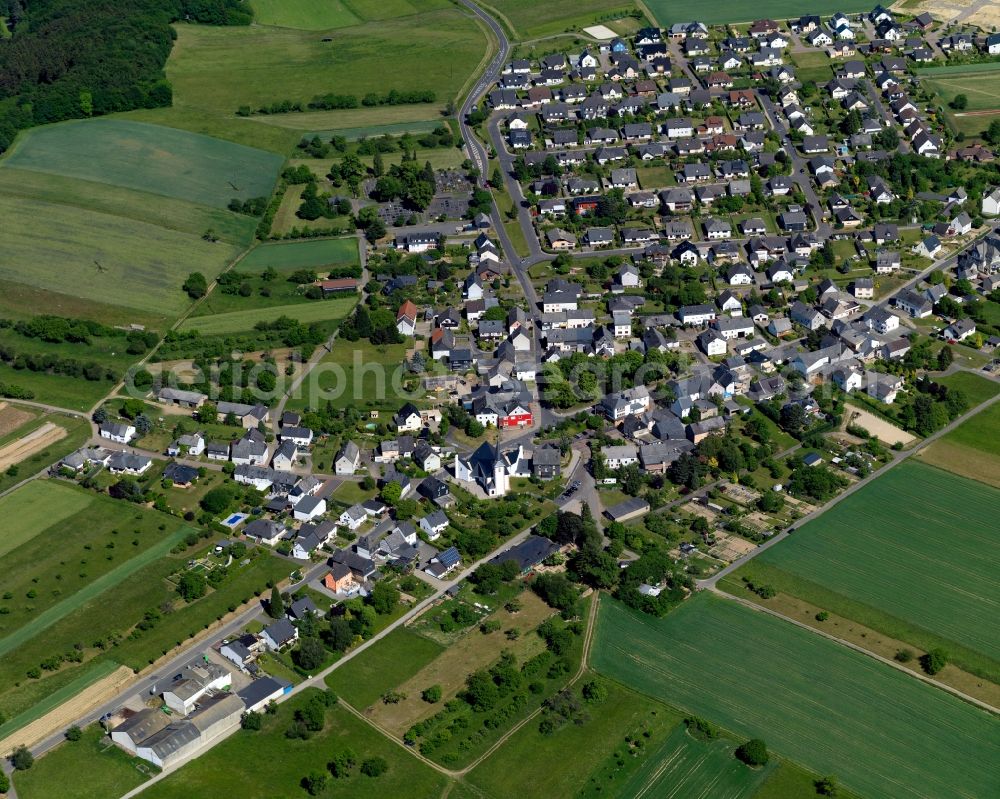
{"points": [[388, 663], [36, 507], [148, 158], [216, 70], [111, 260], [972, 449], [99, 768], [684, 767], [720, 12], [979, 87], [212, 776], [358, 122], [532, 20], [368, 131], [237, 321], [977, 389], [309, 254], [355, 373], [917, 544], [326, 14], [812, 700]]}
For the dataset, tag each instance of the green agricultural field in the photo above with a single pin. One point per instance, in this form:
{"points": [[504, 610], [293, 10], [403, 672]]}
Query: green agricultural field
{"points": [[61, 391], [212, 775], [532, 764], [977, 389], [238, 321], [109, 352], [363, 121], [99, 768], [979, 87], [103, 259], [383, 666], [530, 20], [309, 254], [216, 70], [972, 449], [90, 545], [148, 158], [916, 544], [101, 637], [720, 12], [155, 209], [27, 512], [813, 701], [313, 15], [375, 383], [683, 767]]}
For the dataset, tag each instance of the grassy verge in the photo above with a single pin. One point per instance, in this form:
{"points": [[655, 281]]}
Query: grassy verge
{"points": [[288, 761], [97, 766]]}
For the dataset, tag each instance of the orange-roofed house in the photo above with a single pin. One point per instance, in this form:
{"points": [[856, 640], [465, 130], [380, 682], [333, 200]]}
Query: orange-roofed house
{"points": [[406, 319]]}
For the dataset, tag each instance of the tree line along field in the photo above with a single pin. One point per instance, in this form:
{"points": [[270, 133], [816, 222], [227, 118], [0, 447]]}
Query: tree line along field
{"points": [[214, 71], [145, 589], [917, 545], [972, 449], [721, 12], [273, 296], [813, 701]]}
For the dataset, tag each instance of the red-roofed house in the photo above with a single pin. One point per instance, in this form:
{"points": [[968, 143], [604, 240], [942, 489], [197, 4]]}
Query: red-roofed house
{"points": [[406, 319]]}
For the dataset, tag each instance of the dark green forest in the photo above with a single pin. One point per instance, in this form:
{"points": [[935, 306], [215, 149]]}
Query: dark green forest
{"points": [[69, 59]]}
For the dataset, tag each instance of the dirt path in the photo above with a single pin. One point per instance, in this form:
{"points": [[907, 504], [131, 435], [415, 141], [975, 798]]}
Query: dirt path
{"points": [[35, 441], [64, 715]]}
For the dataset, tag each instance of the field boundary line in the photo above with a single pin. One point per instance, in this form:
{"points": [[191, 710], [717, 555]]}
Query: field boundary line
{"points": [[860, 649], [900, 457]]}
